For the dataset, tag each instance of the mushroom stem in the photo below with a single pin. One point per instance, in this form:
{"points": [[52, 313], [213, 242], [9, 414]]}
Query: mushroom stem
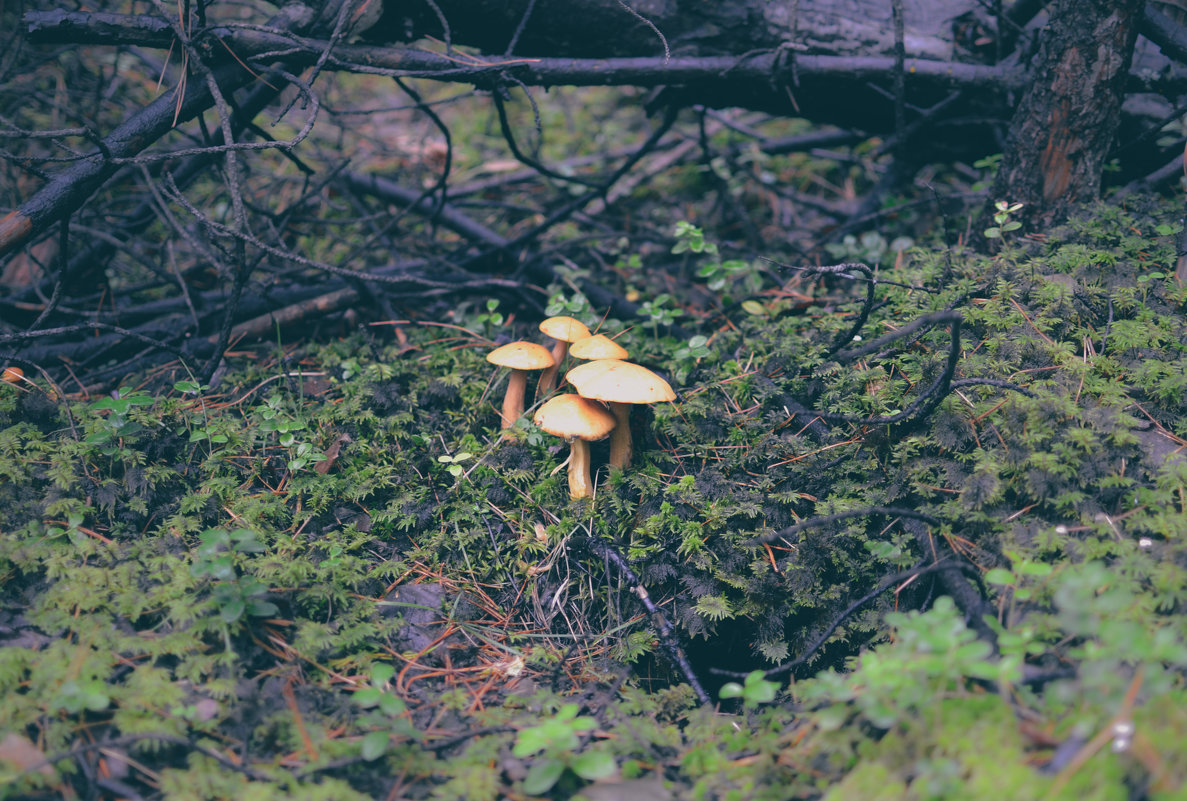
{"points": [[548, 378], [517, 385], [580, 480], [621, 448]]}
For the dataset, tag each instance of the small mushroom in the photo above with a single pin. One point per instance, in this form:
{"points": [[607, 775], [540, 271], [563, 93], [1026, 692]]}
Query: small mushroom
{"points": [[579, 421], [563, 330], [520, 357], [619, 384], [598, 346]]}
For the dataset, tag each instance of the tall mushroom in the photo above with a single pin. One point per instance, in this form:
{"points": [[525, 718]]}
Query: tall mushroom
{"points": [[563, 330], [579, 421], [520, 357], [620, 384]]}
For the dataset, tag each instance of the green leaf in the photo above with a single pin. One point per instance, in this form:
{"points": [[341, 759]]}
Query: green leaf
{"points": [[758, 690], [1028, 568], [542, 775], [731, 689], [382, 673], [833, 717], [258, 608], [391, 705], [528, 742], [367, 697], [374, 745], [232, 610], [593, 765], [999, 575]]}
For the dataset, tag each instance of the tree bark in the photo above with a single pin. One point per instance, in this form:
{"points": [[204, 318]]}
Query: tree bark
{"points": [[1066, 121], [604, 28]]}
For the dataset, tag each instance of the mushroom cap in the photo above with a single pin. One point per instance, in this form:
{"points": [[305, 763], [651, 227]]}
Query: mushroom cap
{"points": [[521, 356], [598, 346], [572, 416], [566, 329], [616, 381]]}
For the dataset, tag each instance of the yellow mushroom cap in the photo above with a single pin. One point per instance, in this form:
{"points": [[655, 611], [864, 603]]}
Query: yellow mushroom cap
{"points": [[616, 381], [521, 356], [574, 417], [598, 346], [566, 329]]}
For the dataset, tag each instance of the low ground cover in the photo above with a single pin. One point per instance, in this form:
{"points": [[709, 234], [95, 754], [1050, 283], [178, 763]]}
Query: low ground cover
{"points": [[331, 575]]}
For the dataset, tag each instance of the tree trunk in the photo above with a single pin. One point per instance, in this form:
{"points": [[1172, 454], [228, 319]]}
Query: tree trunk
{"points": [[605, 28], [1066, 122]]}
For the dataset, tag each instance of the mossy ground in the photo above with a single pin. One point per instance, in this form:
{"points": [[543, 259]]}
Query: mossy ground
{"points": [[329, 576]]}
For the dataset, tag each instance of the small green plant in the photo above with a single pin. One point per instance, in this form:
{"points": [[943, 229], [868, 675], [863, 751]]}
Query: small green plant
{"points": [[558, 739], [658, 312], [688, 355], [1001, 218], [990, 165], [190, 387], [274, 418], [454, 463], [1023, 569], [89, 695], [754, 690], [690, 238], [234, 595], [117, 425], [73, 526], [212, 429], [376, 371], [724, 278], [720, 274], [1145, 278], [934, 655], [387, 713], [490, 319], [574, 306], [869, 248]]}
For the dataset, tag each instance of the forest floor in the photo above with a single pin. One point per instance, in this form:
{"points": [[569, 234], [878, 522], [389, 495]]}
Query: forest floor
{"points": [[915, 526], [949, 517]]}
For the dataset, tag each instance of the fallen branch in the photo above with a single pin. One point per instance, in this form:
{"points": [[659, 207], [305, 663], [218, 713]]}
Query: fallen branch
{"points": [[753, 69], [667, 635]]}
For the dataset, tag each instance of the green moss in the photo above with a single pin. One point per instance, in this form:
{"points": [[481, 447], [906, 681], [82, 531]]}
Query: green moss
{"points": [[176, 565]]}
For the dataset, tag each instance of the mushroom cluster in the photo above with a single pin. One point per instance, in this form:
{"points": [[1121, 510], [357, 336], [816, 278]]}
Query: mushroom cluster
{"points": [[606, 378]]}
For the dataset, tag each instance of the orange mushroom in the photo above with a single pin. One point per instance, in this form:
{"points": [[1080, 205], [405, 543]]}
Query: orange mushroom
{"points": [[579, 421], [520, 357], [620, 384], [598, 346], [563, 330]]}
